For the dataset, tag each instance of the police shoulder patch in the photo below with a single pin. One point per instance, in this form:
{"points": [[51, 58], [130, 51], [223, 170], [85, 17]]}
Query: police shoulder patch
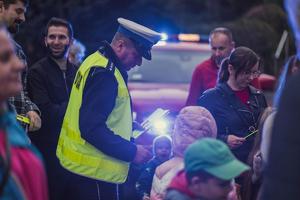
{"points": [[78, 80]]}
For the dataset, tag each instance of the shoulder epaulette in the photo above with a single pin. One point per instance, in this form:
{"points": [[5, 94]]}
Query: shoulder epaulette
{"points": [[110, 66]]}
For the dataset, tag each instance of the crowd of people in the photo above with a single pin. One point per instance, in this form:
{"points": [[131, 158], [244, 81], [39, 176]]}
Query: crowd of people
{"points": [[66, 126]]}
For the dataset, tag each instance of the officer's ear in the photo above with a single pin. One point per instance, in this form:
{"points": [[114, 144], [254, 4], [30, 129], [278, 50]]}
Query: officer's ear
{"points": [[120, 45]]}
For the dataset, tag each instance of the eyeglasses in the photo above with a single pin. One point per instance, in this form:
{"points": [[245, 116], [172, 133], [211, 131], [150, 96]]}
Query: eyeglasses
{"points": [[255, 74]]}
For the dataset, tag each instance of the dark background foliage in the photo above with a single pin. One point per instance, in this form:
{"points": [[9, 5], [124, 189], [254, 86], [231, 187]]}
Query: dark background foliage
{"points": [[257, 24]]}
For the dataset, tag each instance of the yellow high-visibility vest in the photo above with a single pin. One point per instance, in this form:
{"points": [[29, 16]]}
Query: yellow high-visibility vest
{"points": [[76, 154]]}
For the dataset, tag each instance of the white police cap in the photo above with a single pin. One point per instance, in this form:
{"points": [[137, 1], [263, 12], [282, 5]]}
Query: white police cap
{"points": [[143, 37]]}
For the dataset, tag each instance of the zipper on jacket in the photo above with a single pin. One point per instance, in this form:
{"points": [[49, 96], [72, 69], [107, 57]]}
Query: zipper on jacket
{"points": [[65, 80]]}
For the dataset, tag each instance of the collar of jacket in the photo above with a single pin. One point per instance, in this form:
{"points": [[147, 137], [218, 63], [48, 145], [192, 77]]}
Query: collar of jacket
{"points": [[106, 50], [228, 90], [253, 102], [52, 62]]}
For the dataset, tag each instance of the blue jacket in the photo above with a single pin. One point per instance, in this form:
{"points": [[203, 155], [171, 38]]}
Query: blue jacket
{"points": [[234, 117]]}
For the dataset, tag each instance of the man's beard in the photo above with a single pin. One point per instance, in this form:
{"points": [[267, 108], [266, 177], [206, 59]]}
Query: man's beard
{"points": [[57, 56], [13, 29], [218, 60]]}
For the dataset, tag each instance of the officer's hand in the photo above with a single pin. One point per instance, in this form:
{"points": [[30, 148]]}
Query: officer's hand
{"points": [[35, 121], [235, 141], [142, 154]]}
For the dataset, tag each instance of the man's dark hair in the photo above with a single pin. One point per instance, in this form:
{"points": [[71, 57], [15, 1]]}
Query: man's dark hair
{"points": [[222, 30], [203, 175], [6, 3], [54, 21]]}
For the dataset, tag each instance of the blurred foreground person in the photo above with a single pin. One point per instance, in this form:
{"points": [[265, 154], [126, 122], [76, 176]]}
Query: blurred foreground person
{"points": [[22, 176], [282, 175], [162, 151], [209, 171], [76, 53], [234, 103], [206, 73], [291, 67], [49, 85], [191, 124], [258, 156], [95, 139], [12, 14]]}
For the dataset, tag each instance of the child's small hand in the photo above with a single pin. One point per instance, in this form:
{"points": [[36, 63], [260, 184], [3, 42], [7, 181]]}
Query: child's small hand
{"points": [[257, 166], [146, 197]]}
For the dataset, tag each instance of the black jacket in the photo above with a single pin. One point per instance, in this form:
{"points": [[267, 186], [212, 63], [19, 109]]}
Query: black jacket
{"points": [[232, 116], [144, 182], [49, 88]]}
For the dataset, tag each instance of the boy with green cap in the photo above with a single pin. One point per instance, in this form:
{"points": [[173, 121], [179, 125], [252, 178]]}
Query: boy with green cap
{"points": [[209, 170]]}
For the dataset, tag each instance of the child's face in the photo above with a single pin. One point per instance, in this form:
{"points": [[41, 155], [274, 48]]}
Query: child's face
{"points": [[212, 189], [163, 150]]}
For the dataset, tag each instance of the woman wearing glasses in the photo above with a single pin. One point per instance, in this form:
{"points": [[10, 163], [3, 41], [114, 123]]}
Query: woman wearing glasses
{"points": [[234, 103]]}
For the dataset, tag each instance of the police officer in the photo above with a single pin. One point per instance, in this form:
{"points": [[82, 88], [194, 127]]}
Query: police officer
{"points": [[95, 139]]}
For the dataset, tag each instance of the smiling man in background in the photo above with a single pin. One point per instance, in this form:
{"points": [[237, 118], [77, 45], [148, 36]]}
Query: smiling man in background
{"points": [[49, 85]]}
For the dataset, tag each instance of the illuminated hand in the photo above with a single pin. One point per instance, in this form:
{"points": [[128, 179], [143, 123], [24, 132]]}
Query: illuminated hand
{"points": [[142, 154], [35, 121], [235, 141]]}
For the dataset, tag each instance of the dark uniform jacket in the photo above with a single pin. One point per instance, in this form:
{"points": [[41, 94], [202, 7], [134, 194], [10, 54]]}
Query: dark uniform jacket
{"points": [[98, 101], [234, 117]]}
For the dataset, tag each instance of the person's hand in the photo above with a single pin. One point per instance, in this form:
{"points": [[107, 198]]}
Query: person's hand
{"points": [[257, 166], [235, 141], [142, 155], [35, 121], [146, 197]]}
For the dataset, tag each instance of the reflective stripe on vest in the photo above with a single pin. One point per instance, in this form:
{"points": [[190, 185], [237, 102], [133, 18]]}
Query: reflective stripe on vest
{"points": [[76, 154]]}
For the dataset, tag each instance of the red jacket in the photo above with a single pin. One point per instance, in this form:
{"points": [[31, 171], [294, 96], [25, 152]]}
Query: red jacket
{"points": [[179, 183], [204, 77]]}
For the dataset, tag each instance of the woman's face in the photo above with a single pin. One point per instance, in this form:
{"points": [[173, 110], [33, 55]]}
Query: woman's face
{"points": [[10, 68], [244, 78]]}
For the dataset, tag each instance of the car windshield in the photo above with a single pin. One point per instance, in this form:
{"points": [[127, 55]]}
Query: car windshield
{"points": [[168, 66]]}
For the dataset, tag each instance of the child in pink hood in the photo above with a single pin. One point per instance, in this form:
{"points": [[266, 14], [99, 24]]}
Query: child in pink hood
{"points": [[191, 124]]}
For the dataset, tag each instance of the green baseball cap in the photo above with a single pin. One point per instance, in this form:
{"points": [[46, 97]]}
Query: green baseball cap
{"points": [[214, 157]]}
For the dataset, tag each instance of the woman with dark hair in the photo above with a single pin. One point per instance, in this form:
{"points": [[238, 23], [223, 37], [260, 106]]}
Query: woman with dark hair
{"points": [[234, 103]]}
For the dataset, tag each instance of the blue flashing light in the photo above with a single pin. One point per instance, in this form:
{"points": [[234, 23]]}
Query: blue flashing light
{"points": [[164, 36]]}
